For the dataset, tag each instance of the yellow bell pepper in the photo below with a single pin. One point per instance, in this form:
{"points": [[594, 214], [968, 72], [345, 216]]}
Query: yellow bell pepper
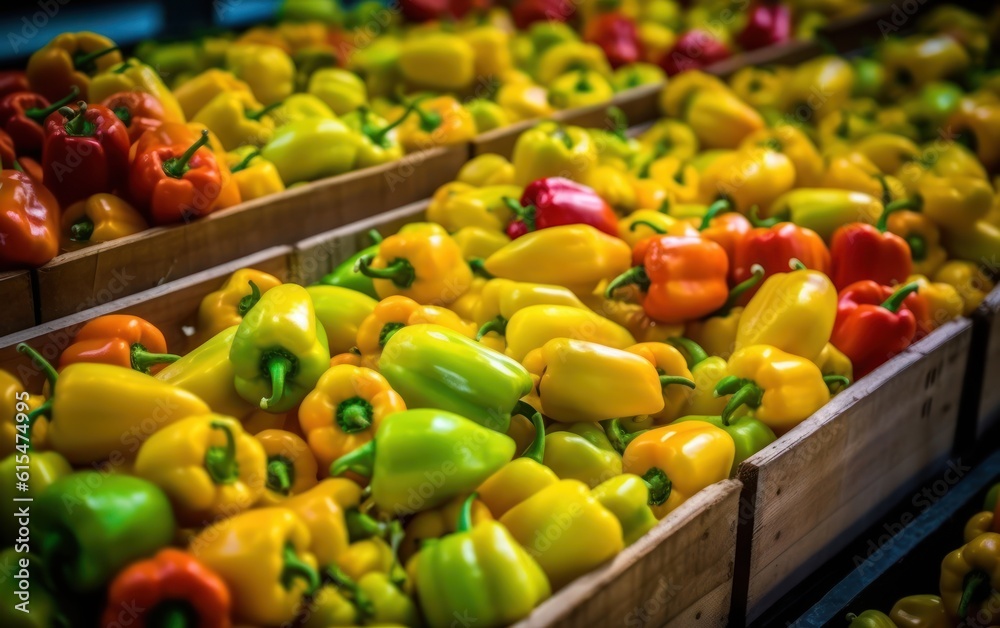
{"points": [[650, 194], [268, 70], [323, 509], [262, 557], [758, 86], [196, 92], [487, 169], [299, 107], [484, 207], [207, 465], [969, 279], [719, 119], [562, 57], [614, 185], [341, 90], [716, 334], [532, 326], [553, 150], [487, 115], [520, 478], [669, 363], [371, 555], [676, 138], [579, 88], [437, 522], [887, 151], [794, 144], [644, 223], [466, 305], [226, 306], [436, 122], [490, 48], [924, 239], [395, 312], [439, 62], [681, 180], [818, 87], [832, 361], [944, 303], [478, 243], [524, 101], [748, 177], [255, 176], [631, 316], [291, 466], [135, 76], [237, 119], [502, 298]]}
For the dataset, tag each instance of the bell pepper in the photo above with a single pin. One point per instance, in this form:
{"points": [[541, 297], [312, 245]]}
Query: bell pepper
{"points": [[438, 62], [627, 498], [341, 90], [206, 372], [520, 478], [558, 201], [869, 619], [43, 469], [955, 203], [120, 340], [977, 243], [372, 555], [262, 557], [29, 221], [970, 577], [478, 243], [486, 565], [705, 372], [532, 326], [979, 523], [875, 323], [437, 121], [326, 509], [462, 376], [562, 57], [227, 306], [299, 107], [341, 312], [862, 252], [674, 374], [768, 23], [237, 119], [344, 411], [681, 277], [976, 125], [420, 262], [782, 389], [23, 114], [579, 88], [581, 451], [207, 465], [825, 210], [694, 49], [84, 392], [923, 238], [12, 81], [748, 177], [43, 608], [919, 611], [618, 383], [196, 92], [94, 131], [774, 248], [268, 70], [280, 349], [972, 283], [345, 275], [717, 333], [524, 101], [491, 48], [617, 35], [176, 183], [552, 150], [420, 459], [676, 461], [912, 62], [434, 524], [291, 466], [818, 87], [832, 361], [749, 435], [88, 526], [135, 76], [70, 60], [170, 586], [719, 119], [502, 298], [138, 111], [379, 141], [724, 227], [392, 314], [486, 169], [944, 303], [333, 149], [458, 207]]}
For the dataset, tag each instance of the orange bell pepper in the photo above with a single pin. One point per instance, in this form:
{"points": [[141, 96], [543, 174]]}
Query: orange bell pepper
{"points": [[120, 340], [291, 466], [395, 312]]}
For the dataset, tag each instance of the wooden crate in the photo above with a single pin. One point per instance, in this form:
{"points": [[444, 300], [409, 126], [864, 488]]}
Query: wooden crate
{"points": [[985, 363], [18, 301], [96, 275], [814, 489], [172, 307], [679, 574]]}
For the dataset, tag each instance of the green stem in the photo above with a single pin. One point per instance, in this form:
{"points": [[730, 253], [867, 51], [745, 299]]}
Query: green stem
{"points": [[749, 395], [36, 357], [81, 231], [618, 436], [354, 415], [635, 275], [377, 136], [766, 223], [659, 486], [245, 161], [561, 134], [280, 474], [916, 204], [361, 526], [757, 274], [387, 332], [465, 514], [343, 582], [720, 206], [498, 325], [374, 236], [886, 192], [694, 353], [296, 568], [478, 267], [246, 303], [429, 120], [220, 462], [142, 360], [177, 166], [39, 115], [536, 450], [973, 585], [795, 264], [360, 461], [918, 247], [84, 62], [257, 115], [123, 68], [76, 124], [831, 380], [525, 214], [646, 223], [883, 220], [278, 367], [400, 271], [727, 386], [583, 82], [672, 380], [171, 614], [896, 299]]}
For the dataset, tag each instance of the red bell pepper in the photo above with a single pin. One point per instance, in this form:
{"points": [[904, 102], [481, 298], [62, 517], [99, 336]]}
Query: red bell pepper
{"points": [[693, 50], [120, 340], [22, 115], [85, 153], [557, 201], [875, 323], [774, 248], [618, 37], [138, 111], [29, 222], [428, 10], [527, 12], [170, 589], [861, 251], [769, 22], [173, 184], [13, 81]]}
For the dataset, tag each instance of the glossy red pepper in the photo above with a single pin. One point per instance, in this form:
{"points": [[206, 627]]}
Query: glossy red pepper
{"points": [[173, 183], [527, 12], [774, 248], [12, 81], [618, 37], [875, 323], [693, 50], [557, 201], [85, 153], [29, 222], [769, 22], [138, 111], [428, 10], [862, 251], [23, 114]]}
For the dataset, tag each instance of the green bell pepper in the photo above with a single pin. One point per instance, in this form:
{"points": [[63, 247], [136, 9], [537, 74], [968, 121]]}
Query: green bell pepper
{"points": [[379, 143], [300, 107], [342, 90], [487, 114], [627, 498], [434, 367], [34, 607], [749, 435], [88, 526], [420, 459], [346, 275], [326, 11], [544, 35], [870, 619], [637, 74], [312, 148], [280, 350], [581, 451], [340, 311], [43, 469]]}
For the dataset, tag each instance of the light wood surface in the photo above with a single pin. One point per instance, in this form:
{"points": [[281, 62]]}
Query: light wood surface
{"points": [[18, 303]]}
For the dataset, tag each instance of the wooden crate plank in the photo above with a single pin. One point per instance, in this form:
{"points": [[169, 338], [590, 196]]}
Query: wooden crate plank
{"points": [[171, 307], [684, 564], [18, 301], [805, 494], [95, 275], [987, 318]]}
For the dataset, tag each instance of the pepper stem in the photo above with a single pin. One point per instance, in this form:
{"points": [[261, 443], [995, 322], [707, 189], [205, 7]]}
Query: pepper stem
{"points": [[646, 223], [757, 221], [170, 614], [388, 330], [364, 606], [583, 82], [883, 220], [257, 115], [918, 247], [670, 380], [618, 436], [750, 395], [536, 450], [295, 567], [176, 167], [76, 124], [39, 115], [36, 357], [916, 204], [694, 353], [659, 485], [478, 267], [378, 135], [278, 367], [400, 271], [429, 120], [361, 526], [360, 461], [280, 475], [354, 415], [527, 214], [561, 134], [757, 273], [246, 303], [720, 206], [142, 360], [971, 589], [245, 161], [635, 275], [81, 231], [84, 62], [220, 462], [465, 514], [832, 380], [497, 324], [896, 299], [727, 386], [374, 236], [795, 264]]}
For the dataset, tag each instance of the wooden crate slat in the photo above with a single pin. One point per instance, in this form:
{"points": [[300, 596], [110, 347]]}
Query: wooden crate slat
{"points": [[988, 320], [18, 301]]}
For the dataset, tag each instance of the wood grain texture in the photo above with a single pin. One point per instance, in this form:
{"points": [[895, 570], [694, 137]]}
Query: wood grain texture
{"points": [[812, 490], [988, 319], [171, 307], [18, 309], [681, 568], [83, 279]]}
